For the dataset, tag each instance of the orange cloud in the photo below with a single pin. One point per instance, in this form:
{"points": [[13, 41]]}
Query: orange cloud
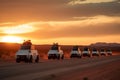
{"points": [[19, 29], [88, 27], [55, 10], [74, 2]]}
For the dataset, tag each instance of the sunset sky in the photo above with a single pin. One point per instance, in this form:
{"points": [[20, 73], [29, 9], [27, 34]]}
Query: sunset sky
{"points": [[68, 22]]}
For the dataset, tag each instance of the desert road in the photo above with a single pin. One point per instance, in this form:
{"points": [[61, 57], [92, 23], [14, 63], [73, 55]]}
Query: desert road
{"points": [[95, 68]]}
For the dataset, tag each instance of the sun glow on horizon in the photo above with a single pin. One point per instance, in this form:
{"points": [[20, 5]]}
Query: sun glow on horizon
{"points": [[11, 39]]}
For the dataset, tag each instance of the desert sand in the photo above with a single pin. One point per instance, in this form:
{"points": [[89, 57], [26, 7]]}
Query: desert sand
{"points": [[95, 68]]}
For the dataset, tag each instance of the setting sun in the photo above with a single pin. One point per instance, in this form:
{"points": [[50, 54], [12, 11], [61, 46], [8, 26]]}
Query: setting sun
{"points": [[12, 39]]}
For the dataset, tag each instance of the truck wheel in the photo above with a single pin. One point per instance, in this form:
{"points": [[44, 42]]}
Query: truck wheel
{"points": [[31, 59], [54, 57], [26, 60], [79, 56], [62, 57], [37, 59], [18, 60], [58, 57], [49, 57], [71, 56]]}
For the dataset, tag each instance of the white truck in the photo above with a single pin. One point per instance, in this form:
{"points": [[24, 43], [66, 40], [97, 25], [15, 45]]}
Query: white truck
{"points": [[103, 52], [55, 52], [109, 52], [95, 52], [75, 52], [86, 52], [27, 53]]}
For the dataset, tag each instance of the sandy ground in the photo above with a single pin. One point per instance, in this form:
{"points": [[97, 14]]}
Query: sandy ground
{"points": [[95, 68]]}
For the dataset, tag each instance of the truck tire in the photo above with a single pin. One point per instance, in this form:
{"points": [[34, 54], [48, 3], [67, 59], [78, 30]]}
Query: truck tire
{"points": [[58, 57], [18, 60], [71, 56], [26, 60], [53, 57], [37, 59], [49, 57], [79, 57], [62, 57], [31, 59]]}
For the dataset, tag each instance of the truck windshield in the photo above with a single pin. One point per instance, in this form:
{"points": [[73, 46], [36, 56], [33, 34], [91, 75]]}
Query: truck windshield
{"points": [[25, 47], [75, 48], [94, 49], [102, 50], [85, 49], [108, 50], [54, 47]]}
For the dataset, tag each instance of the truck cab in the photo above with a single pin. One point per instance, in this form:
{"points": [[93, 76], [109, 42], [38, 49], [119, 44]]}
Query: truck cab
{"points": [[55, 52], [75, 52], [86, 52], [95, 52], [109, 52], [103, 52], [27, 53]]}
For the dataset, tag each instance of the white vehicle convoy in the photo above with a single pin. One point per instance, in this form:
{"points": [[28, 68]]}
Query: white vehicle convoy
{"points": [[103, 52], [55, 52], [109, 52], [95, 52], [75, 52], [27, 53], [86, 52]]}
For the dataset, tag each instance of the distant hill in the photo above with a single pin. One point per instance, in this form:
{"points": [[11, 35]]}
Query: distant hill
{"points": [[106, 44], [113, 46], [13, 47]]}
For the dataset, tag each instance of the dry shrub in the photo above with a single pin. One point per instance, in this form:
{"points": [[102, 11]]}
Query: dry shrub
{"points": [[12, 54], [9, 56], [5, 57]]}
